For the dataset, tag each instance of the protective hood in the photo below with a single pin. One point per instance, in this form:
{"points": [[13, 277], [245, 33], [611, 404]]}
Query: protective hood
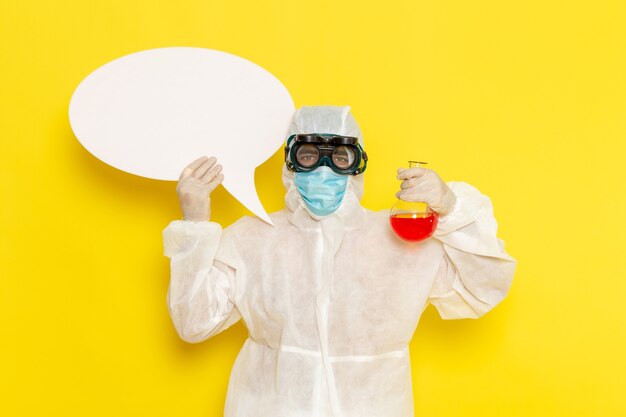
{"points": [[325, 119]]}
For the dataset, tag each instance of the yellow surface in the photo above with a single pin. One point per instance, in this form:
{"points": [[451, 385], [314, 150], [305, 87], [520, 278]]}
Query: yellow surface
{"points": [[524, 99]]}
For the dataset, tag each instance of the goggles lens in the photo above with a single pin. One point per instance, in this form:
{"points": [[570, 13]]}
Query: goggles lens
{"points": [[307, 155], [343, 157]]}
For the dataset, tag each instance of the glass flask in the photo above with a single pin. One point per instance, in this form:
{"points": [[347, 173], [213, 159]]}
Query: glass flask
{"points": [[413, 221]]}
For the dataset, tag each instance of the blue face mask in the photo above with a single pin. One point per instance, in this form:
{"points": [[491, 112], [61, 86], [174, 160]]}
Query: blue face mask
{"points": [[322, 190]]}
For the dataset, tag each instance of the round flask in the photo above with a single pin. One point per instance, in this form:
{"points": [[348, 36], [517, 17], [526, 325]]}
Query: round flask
{"points": [[413, 221]]}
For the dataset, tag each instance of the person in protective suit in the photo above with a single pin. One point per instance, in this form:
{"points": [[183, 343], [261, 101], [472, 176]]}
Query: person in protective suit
{"points": [[330, 296]]}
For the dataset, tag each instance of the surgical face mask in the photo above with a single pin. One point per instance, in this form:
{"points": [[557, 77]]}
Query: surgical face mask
{"points": [[322, 190]]}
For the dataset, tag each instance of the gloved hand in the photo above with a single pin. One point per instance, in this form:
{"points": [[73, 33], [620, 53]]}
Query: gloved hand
{"points": [[194, 188], [424, 185]]}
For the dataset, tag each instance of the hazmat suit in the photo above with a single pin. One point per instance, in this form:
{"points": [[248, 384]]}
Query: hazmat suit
{"points": [[331, 303]]}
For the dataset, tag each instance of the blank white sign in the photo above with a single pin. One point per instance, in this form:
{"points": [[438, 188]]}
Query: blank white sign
{"points": [[153, 112]]}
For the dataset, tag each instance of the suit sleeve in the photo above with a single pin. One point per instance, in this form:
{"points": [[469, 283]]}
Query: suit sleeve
{"points": [[475, 273], [202, 291]]}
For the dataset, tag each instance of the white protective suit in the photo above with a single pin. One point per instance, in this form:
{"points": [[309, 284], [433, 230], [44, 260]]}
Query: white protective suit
{"points": [[331, 304]]}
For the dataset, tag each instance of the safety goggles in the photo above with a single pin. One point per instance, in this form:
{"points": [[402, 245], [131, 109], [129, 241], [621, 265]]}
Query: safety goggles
{"points": [[343, 154]]}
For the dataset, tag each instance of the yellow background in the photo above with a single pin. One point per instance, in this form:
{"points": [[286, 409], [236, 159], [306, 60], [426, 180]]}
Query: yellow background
{"points": [[524, 99]]}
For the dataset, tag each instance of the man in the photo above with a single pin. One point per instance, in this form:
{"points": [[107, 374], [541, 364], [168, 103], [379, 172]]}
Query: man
{"points": [[330, 296]]}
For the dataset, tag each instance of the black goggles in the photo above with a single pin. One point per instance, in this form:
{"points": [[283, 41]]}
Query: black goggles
{"points": [[343, 154]]}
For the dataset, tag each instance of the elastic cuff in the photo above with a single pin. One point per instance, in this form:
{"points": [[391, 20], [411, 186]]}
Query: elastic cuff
{"points": [[180, 235], [468, 201], [193, 228]]}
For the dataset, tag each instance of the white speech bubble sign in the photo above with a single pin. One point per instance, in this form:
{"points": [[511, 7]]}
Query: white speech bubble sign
{"points": [[153, 112]]}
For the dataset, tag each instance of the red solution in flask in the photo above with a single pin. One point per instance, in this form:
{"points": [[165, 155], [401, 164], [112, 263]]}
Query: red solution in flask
{"points": [[414, 227]]}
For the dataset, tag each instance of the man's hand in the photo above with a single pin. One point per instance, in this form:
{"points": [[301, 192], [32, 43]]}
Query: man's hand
{"points": [[424, 185], [194, 188]]}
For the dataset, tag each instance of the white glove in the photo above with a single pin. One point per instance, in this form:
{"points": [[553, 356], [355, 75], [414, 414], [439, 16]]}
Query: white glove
{"points": [[194, 188], [424, 185]]}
